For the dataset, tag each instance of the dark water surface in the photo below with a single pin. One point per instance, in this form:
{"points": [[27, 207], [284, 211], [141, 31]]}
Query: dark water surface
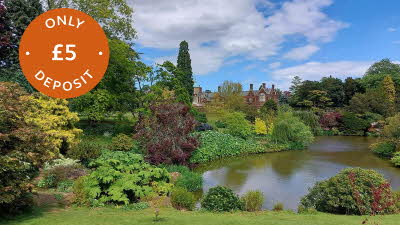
{"points": [[286, 176]]}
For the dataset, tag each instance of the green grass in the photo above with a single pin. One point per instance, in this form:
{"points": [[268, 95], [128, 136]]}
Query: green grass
{"points": [[169, 216]]}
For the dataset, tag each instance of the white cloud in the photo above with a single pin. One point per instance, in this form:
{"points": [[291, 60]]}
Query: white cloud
{"points": [[274, 65], [391, 29], [317, 70], [301, 53], [218, 30]]}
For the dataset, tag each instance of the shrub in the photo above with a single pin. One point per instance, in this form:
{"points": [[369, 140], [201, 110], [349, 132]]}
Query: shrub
{"points": [[384, 148], [215, 145], [253, 201], [237, 125], [190, 180], [331, 120], [221, 199], [124, 177], [260, 127], [220, 124], [396, 159], [81, 195], [65, 186], [303, 210], [200, 117], [309, 119], [182, 199], [122, 142], [60, 173], [278, 206], [166, 134], [85, 151], [353, 124], [342, 195], [25, 146], [269, 106], [288, 129], [392, 128]]}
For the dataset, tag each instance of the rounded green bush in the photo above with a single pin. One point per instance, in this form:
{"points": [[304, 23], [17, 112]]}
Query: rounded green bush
{"points": [[122, 142], [337, 194], [221, 199], [396, 159], [384, 149], [253, 201], [182, 199]]}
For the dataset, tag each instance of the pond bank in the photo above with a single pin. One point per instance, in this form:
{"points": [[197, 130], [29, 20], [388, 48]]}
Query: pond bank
{"points": [[286, 176]]}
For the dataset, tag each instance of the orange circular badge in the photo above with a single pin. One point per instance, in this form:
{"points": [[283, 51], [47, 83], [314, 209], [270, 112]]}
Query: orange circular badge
{"points": [[64, 53]]}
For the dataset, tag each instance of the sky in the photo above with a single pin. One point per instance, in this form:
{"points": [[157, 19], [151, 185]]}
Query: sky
{"points": [[269, 41]]}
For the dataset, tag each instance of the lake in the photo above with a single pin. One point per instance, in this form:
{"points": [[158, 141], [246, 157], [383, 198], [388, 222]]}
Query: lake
{"points": [[286, 176]]}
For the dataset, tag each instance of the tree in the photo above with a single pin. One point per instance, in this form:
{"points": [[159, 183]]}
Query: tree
{"points": [[32, 129], [54, 118], [17, 16], [96, 105], [301, 97], [166, 134], [170, 77], [317, 99], [260, 127], [351, 87], [184, 64], [237, 125], [373, 100], [335, 90], [115, 16], [269, 107], [376, 73], [296, 82], [390, 93]]}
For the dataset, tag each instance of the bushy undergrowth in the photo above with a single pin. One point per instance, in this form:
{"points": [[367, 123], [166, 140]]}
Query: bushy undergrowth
{"points": [[88, 149], [221, 199], [122, 142], [188, 179], [396, 159], [182, 199], [121, 178], [60, 174], [253, 200], [384, 149], [352, 191], [310, 119], [215, 145]]}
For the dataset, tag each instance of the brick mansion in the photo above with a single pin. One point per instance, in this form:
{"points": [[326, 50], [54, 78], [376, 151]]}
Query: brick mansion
{"points": [[255, 97]]}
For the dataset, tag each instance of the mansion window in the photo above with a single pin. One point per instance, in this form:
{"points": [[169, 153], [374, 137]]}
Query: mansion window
{"points": [[262, 97]]}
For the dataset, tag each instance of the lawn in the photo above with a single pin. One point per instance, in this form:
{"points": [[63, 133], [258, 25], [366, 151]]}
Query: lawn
{"points": [[83, 216]]}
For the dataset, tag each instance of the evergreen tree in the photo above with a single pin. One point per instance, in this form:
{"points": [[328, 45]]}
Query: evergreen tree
{"points": [[351, 87], [185, 65]]}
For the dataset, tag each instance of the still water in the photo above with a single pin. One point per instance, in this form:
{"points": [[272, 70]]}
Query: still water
{"points": [[286, 176]]}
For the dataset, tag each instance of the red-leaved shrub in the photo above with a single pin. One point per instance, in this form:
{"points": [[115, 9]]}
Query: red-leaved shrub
{"points": [[166, 134], [330, 120]]}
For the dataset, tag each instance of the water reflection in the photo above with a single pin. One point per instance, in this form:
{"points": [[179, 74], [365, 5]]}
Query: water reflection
{"points": [[286, 176]]}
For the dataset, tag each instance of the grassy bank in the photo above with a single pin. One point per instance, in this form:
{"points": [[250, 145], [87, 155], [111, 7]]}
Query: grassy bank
{"points": [[83, 216]]}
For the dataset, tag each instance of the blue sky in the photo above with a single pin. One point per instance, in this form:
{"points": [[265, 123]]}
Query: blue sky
{"points": [[256, 41]]}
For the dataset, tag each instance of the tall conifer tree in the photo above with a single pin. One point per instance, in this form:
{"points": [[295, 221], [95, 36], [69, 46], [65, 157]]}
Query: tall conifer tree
{"points": [[185, 65]]}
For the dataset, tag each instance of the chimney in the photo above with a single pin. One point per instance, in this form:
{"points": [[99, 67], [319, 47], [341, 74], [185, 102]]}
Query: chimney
{"points": [[251, 87], [273, 87], [219, 88], [264, 85]]}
